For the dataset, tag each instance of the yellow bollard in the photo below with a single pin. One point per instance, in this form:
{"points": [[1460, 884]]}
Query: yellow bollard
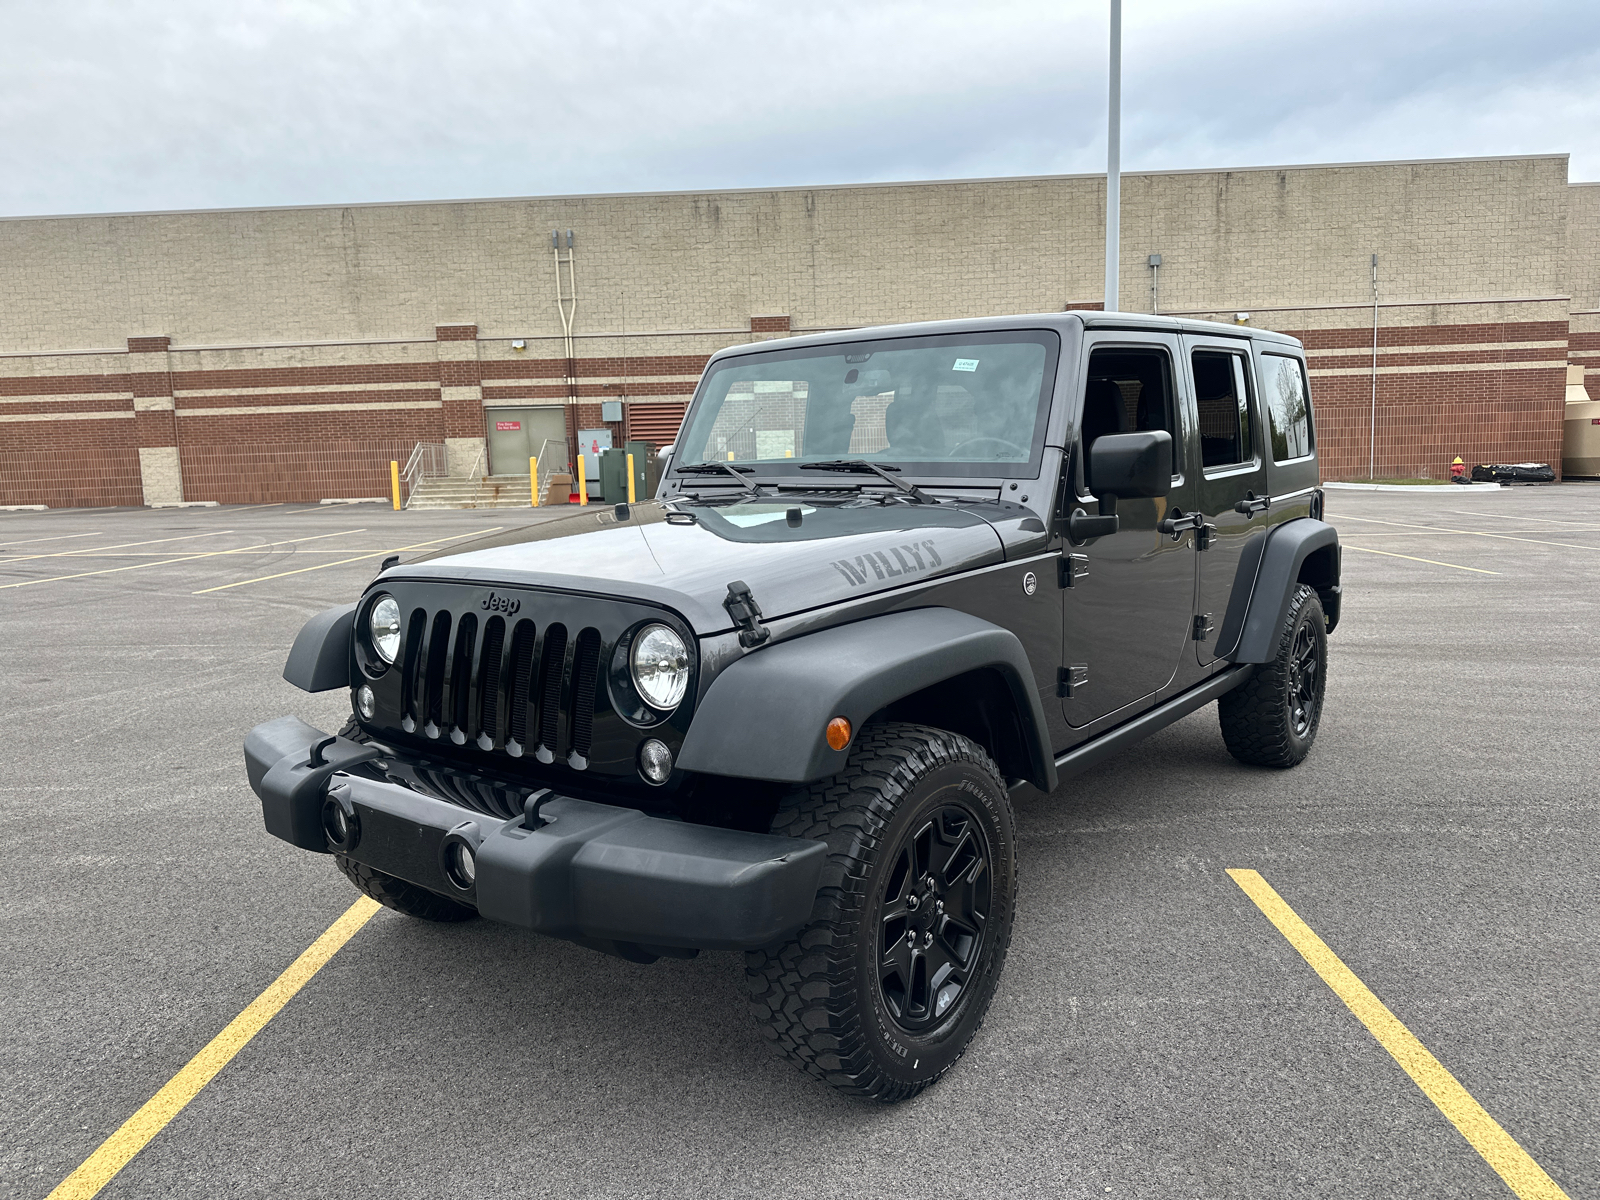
{"points": [[583, 484], [394, 482], [630, 480], [533, 480]]}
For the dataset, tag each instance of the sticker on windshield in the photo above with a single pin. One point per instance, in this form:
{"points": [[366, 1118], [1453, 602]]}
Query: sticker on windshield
{"points": [[965, 364]]}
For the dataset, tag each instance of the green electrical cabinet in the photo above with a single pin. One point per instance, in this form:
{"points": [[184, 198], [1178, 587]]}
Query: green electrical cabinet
{"points": [[613, 477], [646, 469]]}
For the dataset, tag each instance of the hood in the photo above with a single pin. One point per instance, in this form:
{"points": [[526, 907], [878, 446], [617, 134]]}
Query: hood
{"points": [[840, 549]]}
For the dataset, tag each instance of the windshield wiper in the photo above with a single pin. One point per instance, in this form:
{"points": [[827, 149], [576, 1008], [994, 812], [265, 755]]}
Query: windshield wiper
{"points": [[711, 468], [861, 466]]}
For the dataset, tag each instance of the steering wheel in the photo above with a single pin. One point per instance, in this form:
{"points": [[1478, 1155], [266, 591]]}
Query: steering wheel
{"points": [[1010, 447]]}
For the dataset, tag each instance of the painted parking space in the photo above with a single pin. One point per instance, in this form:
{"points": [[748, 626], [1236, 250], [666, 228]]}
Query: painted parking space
{"points": [[1154, 1035]]}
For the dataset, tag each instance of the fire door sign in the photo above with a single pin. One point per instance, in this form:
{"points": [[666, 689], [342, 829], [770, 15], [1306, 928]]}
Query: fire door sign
{"points": [[507, 426]]}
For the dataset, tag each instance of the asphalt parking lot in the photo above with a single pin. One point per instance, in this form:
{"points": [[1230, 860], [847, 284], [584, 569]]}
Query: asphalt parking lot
{"points": [[1154, 1035]]}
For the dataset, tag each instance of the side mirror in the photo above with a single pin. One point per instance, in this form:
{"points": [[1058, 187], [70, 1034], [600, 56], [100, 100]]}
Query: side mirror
{"points": [[1129, 465]]}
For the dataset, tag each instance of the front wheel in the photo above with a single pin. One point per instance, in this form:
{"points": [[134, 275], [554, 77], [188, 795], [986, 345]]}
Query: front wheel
{"points": [[882, 991], [1271, 719]]}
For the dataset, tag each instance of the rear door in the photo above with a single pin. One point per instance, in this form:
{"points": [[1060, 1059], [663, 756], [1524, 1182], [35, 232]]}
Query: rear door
{"points": [[1231, 484], [1127, 609]]}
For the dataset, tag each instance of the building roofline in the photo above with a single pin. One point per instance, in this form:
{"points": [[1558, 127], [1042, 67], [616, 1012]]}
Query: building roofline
{"points": [[808, 187]]}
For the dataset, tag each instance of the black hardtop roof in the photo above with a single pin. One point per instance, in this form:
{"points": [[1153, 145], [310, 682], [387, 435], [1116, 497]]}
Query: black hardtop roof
{"points": [[1070, 322]]}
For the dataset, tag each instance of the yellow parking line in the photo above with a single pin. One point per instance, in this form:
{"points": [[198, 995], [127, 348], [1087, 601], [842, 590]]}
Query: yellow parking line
{"points": [[375, 554], [188, 537], [1414, 558], [116, 1151], [1498, 1148], [186, 558]]}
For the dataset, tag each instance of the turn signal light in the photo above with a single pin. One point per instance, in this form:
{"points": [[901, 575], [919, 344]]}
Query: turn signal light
{"points": [[838, 733]]}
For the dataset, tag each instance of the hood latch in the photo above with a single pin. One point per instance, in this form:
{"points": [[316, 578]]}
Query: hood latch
{"points": [[746, 614]]}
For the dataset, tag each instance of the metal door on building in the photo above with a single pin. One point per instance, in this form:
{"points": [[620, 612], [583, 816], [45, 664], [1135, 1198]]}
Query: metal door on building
{"points": [[1231, 491], [1127, 617], [518, 434]]}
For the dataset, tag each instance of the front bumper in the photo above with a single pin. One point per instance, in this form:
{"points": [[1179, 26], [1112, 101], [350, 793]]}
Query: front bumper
{"points": [[606, 876]]}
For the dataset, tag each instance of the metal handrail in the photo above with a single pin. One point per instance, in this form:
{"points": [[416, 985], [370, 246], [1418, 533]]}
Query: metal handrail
{"points": [[428, 460]]}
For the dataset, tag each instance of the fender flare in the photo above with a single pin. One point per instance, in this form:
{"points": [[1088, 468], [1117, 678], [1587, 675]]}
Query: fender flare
{"points": [[319, 660], [1264, 586], [763, 717]]}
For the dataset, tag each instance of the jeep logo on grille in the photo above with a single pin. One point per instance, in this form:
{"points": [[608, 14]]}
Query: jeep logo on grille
{"points": [[503, 604]]}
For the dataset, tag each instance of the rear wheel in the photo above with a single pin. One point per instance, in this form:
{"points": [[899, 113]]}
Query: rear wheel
{"points": [[882, 991], [1271, 719]]}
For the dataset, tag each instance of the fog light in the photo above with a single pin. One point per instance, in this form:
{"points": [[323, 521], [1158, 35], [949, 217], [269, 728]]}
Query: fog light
{"points": [[340, 824], [463, 866], [366, 702], [655, 761]]}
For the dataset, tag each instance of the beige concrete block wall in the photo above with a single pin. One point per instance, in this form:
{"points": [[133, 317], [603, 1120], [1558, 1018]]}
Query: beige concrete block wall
{"points": [[839, 256]]}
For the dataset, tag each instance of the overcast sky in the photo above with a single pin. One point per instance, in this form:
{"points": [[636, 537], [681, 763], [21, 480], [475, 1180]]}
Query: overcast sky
{"points": [[133, 104]]}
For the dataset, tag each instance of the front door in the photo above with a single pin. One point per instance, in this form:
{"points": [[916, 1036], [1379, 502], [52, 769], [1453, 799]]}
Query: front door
{"points": [[1231, 485], [518, 434], [1128, 607]]}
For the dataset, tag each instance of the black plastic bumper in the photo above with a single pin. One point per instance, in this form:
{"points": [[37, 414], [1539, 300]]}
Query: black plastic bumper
{"points": [[593, 873]]}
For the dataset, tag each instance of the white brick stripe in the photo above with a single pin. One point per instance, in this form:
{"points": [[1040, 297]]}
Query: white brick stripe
{"points": [[1429, 368], [123, 414], [276, 390], [303, 408]]}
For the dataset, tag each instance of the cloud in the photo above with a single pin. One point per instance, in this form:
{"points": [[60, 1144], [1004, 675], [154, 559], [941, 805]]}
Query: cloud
{"points": [[182, 104]]}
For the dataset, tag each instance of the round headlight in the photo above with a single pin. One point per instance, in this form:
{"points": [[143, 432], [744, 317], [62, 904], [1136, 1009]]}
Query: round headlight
{"points": [[384, 621], [660, 667]]}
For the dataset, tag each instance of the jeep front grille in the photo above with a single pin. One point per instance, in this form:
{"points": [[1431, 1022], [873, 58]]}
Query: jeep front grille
{"points": [[532, 693]]}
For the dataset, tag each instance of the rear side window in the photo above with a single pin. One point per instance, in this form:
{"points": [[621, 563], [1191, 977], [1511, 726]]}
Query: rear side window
{"points": [[1288, 404], [1223, 401]]}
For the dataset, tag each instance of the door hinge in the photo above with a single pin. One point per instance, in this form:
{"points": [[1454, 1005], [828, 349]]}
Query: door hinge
{"points": [[1204, 535], [1202, 627], [1070, 568], [746, 614], [1070, 679]]}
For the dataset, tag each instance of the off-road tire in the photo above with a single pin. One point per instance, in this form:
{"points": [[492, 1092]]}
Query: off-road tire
{"points": [[401, 896], [1271, 719], [395, 893], [819, 998]]}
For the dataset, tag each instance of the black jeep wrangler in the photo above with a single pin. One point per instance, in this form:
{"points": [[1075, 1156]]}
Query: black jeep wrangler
{"points": [[892, 576]]}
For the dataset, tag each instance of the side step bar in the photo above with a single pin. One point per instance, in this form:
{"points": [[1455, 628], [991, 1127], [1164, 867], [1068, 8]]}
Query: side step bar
{"points": [[1079, 760]]}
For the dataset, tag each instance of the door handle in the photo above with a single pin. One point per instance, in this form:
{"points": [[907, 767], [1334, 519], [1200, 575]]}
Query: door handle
{"points": [[1174, 525], [1251, 505]]}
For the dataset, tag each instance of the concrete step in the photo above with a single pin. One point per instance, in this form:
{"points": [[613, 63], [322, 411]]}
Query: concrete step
{"points": [[489, 491]]}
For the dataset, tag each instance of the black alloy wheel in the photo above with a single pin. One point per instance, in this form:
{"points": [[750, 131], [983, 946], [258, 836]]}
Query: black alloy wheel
{"points": [[932, 917], [881, 992], [1304, 676], [1271, 719]]}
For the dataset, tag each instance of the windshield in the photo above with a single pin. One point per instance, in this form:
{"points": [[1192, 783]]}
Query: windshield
{"points": [[969, 404]]}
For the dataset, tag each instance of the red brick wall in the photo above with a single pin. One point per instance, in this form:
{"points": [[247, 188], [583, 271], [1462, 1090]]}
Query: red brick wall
{"points": [[1434, 402], [1502, 404], [261, 472]]}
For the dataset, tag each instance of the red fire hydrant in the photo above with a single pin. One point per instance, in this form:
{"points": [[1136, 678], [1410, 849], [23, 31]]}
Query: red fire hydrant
{"points": [[1458, 471]]}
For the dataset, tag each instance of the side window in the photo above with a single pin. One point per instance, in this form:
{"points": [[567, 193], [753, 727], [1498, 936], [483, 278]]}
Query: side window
{"points": [[1128, 391], [1288, 405], [1223, 400]]}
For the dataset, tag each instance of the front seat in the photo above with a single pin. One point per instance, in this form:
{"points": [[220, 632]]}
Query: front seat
{"points": [[1103, 412]]}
